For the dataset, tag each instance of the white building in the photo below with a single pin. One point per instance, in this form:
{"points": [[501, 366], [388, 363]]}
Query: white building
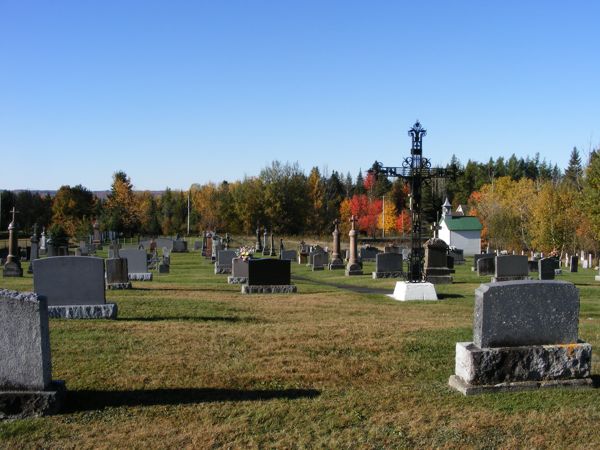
{"points": [[460, 231]]}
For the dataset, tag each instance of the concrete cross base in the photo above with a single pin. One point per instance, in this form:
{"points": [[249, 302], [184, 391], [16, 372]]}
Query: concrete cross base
{"points": [[12, 269], [468, 389], [499, 279], [126, 285], [269, 289], [377, 275], [105, 311], [479, 370], [237, 280], [219, 270], [145, 276], [413, 291], [23, 404]]}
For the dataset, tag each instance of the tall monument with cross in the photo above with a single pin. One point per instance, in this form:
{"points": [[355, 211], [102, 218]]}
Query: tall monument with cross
{"points": [[417, 171], [12, 268]]}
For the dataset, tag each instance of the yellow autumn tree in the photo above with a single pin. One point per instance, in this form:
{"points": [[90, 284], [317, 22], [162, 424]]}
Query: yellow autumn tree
{"points": [[390, 214]]}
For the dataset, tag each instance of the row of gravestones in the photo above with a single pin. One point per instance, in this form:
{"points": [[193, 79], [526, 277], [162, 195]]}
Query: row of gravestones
{"points": [[514, 267], [525, 336]]}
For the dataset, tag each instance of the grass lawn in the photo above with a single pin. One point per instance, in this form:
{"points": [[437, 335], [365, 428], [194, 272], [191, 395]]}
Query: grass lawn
{"points": [[190, 362]]}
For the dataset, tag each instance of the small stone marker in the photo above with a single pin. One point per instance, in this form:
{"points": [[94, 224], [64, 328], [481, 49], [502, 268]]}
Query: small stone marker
{"points": [[223, 263], [26, 386], [239, 271], [137, 264], [511, 267], [524, 337], [486, 266], [574, 263], [73, 287], [268, 276], [388, 265]]}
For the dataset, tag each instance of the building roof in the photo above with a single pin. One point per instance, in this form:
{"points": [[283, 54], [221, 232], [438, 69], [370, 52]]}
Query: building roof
{"points": [[462, 223]]}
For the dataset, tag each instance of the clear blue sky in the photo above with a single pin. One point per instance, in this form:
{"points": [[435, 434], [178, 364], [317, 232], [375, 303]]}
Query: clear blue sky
{"points": [[175, 93]]}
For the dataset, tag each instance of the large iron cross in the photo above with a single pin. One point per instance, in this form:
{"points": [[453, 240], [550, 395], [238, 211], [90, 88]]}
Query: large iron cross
{"points": [[417, 171]]}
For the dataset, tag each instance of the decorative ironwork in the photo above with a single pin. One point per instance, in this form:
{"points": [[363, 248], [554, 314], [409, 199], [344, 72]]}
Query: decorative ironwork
{"points": [[417, 171]]}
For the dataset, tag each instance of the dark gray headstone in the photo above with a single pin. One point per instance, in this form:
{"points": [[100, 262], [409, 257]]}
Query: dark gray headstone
{"points": [[224, 258], [369, 253], [137, 261], [116, 271], [197, 245], [546, 268], [533, 265], [319, 261], [511, 266], [159, 243], [24, 342], [518, 313], [479, 256], [179, 246], [486, 266], [289, 255], [269, 272], [388, 262], [70, 280], [574, 263], [450, 262]]}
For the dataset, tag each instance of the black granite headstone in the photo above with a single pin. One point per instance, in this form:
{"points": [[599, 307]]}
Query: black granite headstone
{"points": [[269, 272]]}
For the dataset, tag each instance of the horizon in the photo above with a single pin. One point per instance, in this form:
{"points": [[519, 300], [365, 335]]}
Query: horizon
{"points": [[194, 93]]}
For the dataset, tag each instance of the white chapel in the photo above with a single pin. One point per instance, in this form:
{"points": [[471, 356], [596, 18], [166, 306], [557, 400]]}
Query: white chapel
{"points": [[460, 231]]}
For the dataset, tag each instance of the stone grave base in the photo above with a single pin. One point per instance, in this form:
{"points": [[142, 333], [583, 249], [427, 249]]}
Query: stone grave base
{"points": [[222, 270], [12, 269], [413, 291], [237, 280], [354, 269], [377, 275], [499, 279], [439, 279], [23, 404], [480, 370], [337, 265], [105, 311], [269, 289], [316, 268], [126, 285], [145, 276]]}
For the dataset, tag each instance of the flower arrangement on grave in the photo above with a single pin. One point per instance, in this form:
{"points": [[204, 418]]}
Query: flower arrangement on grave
{"points": [[245, 253]]}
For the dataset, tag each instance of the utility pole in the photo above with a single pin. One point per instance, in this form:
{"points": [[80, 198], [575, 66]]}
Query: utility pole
{"points": [[188, 217], [383, 225]]}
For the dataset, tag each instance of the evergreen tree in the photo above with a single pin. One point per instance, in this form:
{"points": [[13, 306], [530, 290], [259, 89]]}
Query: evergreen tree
{"points": [[574, 172], [359, 188], [348, 186]]}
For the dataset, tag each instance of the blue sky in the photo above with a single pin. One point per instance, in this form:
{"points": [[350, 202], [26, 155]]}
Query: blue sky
{"points": [[176, 93]]}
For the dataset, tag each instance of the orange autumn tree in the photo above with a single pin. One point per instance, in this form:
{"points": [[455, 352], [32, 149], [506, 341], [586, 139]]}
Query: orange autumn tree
{"points": [[404, 222]]}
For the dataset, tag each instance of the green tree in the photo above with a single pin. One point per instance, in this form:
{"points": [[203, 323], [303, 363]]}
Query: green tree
{"points": [[574, 172], [121, 209], [71, 206]]}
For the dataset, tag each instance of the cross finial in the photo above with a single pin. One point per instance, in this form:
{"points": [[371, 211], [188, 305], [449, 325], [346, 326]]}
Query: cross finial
{"points": [[435, 227]]}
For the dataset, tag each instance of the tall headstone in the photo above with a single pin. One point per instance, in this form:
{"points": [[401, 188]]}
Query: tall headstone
{"points": [[436, 268], [12, 267], [265, 251], [525, 336], [34, 248], [336, 257], [281, 248], [43, 241], [117, 274], [272, 251], [268, 276], [574, 263], [353, 267], [26, 386], [97, 237], [258, 245], [73, 287]]}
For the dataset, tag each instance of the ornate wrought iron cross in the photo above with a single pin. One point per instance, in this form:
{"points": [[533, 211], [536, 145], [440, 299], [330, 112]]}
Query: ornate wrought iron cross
{"points": [[417, 171]]}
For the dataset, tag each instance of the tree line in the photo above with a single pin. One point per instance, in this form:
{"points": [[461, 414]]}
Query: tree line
{"points": [[523, 203]]}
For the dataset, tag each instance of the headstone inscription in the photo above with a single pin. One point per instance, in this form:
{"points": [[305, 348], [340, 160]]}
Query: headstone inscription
{"points": [[525, 336], [511, 267], [73, 287], [268, 276], [223, 263], [574, 263], [26, 386], [436, 268], [239, 271], [137, 264], [486, 266], [353, 267], [388, 265]]}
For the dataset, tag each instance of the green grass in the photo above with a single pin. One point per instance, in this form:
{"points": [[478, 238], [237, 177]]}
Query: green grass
{"points": [[193, 363]]}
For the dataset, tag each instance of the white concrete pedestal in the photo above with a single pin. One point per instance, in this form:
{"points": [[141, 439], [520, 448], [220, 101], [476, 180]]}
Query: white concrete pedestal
{"points": [[413, 291]]}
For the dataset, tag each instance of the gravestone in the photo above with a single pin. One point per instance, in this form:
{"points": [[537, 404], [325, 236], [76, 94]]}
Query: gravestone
{"points": [[450, 263], [388, 265], [436, 268], [73, 287], [353, 267], [368, 253], [511, 267], [97, 237], [34, 249], [137, 264], [223, 263], [26, 386], [197, 245], [268, 276], [392, 249], [288, 255], [457, 254], [12, 266], [532, 265], [525, 336], [258, 245], [179, 246], [217, 246], [486, 266], [547, 268], [336, 256], [207, 252], [117, 276], [303, 252], [319, 261], [265, 250], [239, 271], [574, 263], [317, 249], [478, 257], [43, 242]]}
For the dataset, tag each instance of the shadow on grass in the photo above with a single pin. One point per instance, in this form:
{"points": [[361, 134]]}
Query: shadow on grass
{"points": [[347, 287], [91, 400], [443, 296], [190, 319]]}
